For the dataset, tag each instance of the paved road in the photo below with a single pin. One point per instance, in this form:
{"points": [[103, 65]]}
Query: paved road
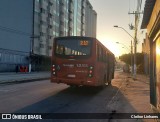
{"points": [[46, 97]]}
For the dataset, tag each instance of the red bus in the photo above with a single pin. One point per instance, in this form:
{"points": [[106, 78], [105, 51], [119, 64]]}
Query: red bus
{"points": [[81, 61]]}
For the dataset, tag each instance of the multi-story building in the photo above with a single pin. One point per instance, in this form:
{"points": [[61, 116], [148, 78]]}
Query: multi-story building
{"points": [[90, 20], [38, 22]]}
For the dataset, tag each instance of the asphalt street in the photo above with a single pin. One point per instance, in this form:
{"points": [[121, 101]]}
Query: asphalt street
{"points": [[46, 97]]}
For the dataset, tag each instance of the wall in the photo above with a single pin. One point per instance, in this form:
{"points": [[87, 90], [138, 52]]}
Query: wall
{"points": [[15, 31], [153, 17], [153, 31]]}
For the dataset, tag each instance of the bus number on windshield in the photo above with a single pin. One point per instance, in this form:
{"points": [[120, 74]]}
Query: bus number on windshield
{"points": [[84, 43]]}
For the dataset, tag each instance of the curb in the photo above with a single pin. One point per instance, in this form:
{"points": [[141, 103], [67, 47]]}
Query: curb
{"points": [[22, 81]]}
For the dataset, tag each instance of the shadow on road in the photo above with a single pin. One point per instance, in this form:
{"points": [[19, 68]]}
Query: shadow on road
{"points": [[82, 100]]}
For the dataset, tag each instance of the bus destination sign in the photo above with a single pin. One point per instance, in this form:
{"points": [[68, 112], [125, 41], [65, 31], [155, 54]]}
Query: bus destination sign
{"points": [[84, 43]]}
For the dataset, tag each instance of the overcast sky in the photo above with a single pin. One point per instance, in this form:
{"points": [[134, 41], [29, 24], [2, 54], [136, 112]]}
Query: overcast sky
{"points": [[115, 12]]}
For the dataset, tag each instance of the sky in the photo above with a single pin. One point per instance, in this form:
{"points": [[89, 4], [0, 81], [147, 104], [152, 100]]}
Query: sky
{"points": [[115, 12]]}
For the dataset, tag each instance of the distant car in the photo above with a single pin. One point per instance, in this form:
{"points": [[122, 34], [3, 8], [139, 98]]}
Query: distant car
{"points": [[126, 68]]}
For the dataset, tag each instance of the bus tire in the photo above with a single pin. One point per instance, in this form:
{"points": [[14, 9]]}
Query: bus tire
{"points": [[109, 83], [105, 83], [112, 75], [73, 86], [109, 80]]}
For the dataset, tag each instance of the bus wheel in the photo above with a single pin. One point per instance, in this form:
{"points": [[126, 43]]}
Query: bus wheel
{"points": [[73, 86], [105, 81], [109, 81]]}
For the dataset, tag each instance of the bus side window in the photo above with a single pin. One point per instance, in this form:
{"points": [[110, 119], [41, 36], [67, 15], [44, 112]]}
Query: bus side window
{"points": [[104, 59], [101, 54], [97, 52], [104, 56]]}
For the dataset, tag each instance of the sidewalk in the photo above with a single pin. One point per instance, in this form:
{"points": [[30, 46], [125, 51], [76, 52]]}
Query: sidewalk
{"points": [[133, 96], [13, 77]]}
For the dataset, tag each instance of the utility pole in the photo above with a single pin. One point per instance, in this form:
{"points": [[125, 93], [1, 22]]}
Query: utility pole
{"points": [[132, 70], [135, 40], [31, 51], [136, 13]]}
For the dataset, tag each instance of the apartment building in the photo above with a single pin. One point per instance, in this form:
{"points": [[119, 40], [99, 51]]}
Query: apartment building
{"points": [[90, 20], [40, 21], [61, 18]]}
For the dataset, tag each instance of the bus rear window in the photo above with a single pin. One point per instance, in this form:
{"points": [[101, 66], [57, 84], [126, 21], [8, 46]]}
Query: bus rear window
{"points": [[73, 47]]}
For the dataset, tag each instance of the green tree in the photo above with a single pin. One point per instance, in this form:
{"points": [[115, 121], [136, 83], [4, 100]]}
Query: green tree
{"points": [[127, 58]]}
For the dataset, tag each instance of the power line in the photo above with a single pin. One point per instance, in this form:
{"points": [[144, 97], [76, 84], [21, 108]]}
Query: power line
{"points": [[10, 51], [14, 31]]}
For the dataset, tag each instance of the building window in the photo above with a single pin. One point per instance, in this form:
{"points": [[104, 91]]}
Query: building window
{"points": [[42, 34], [50, 4], [50, 47], [43, 10], [50, 37], [50, 26], [41, 45], [0, 56], [43, 23], [50, 15]]}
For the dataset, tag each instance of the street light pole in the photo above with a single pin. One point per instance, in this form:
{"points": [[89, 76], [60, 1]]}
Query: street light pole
{"points": [[123, 45], [135, 40], [31, 50], [132, 71], [116, 26]]}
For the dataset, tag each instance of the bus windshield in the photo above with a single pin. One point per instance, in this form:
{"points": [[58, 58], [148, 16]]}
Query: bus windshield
{"points": [[73, 47]]}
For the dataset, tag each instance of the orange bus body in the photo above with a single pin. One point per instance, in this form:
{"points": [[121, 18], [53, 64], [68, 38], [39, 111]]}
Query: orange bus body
{"points": [[94, 69]]}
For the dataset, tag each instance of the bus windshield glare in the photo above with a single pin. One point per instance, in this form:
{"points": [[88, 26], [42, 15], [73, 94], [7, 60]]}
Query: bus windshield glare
{"points": [[73, 47]]}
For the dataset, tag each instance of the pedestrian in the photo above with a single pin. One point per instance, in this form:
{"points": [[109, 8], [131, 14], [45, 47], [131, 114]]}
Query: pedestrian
{"points": [[16, 68]]}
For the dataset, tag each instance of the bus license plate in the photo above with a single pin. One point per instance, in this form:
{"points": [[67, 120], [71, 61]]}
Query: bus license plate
{"points": [[71, 76]]}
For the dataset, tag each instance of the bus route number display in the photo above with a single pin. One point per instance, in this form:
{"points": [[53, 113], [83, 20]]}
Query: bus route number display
{"points": [[84, 43]]}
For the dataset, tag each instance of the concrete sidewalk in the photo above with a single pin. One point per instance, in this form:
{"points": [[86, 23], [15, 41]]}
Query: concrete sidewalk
{"points": [[138, 93], [12, 77], [133, 96]]}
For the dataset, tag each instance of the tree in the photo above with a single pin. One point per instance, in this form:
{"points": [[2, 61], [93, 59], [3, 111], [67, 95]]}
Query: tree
{"points": [[127, 58]]}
